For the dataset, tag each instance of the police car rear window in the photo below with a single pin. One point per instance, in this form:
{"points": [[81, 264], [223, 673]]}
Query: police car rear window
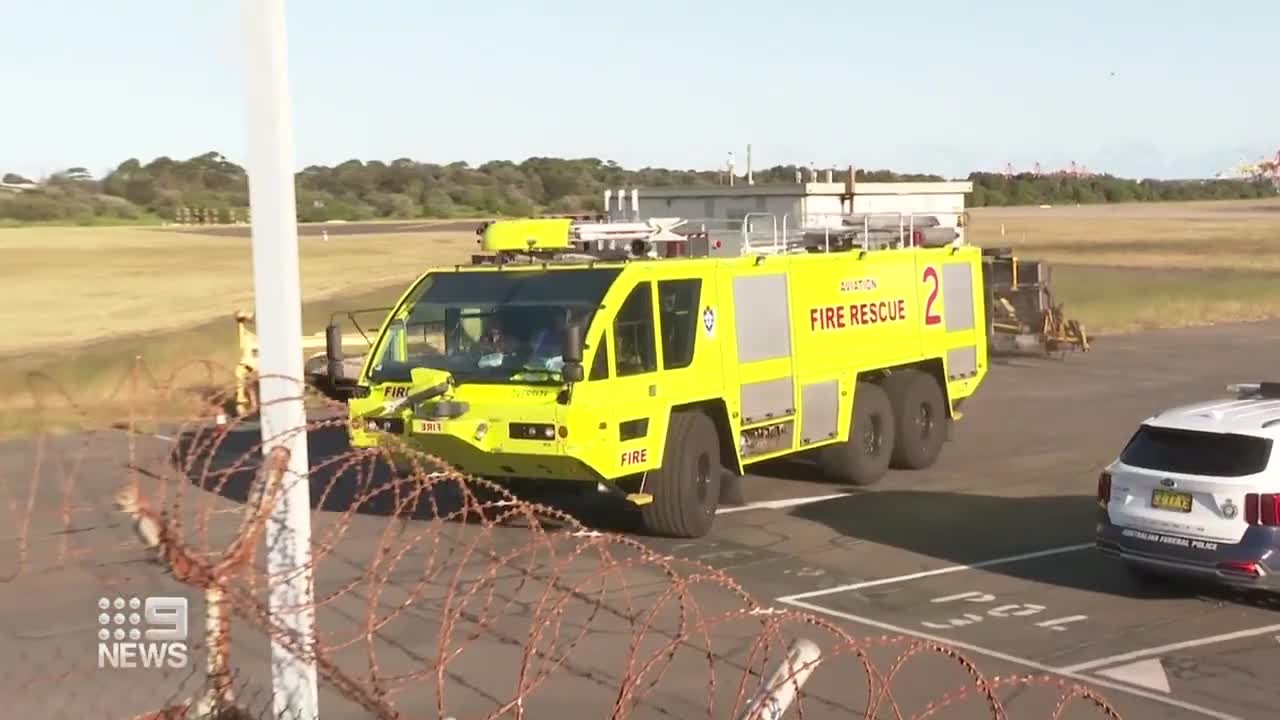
{"points": [[1196, 453]]}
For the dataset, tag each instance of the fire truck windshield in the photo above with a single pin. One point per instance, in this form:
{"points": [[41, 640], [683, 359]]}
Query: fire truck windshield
{"points": [[491, 327]]}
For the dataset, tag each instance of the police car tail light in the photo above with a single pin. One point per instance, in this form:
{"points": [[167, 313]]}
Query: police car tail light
{"points": [[1262, 509], [1240, 568], [1104, 488]]}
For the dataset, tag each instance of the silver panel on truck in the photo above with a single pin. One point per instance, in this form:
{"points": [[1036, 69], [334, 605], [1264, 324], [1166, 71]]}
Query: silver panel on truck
{"points": [[819, 411], [763, 317], [957, 296], [962, 362], [767, 400]]}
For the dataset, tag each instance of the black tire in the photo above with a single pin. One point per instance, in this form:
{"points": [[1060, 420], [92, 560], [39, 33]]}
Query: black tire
{"points": [[863, 459], [920, 419], [686, 489]]}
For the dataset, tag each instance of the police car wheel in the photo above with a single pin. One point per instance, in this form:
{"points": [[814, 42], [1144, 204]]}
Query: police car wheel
{"points": [[920, 413], [686, 489], [863, 459]]}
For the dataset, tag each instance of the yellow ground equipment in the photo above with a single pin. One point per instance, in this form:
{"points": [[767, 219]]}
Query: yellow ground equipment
{"points": [[1021, 313], [315, 364], [626, 356]]}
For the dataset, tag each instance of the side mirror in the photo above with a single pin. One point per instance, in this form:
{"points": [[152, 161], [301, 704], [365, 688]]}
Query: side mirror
{"points": [[333, 351], [318, 379], [572, 349], [572, 371]]}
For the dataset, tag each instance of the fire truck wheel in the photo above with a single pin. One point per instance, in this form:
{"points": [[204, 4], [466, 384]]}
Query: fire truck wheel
{"points": [[863, 459], [920, 414], [686, 489]]}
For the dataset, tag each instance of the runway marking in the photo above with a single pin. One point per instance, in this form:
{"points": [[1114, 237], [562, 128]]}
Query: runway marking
{"points": [[781, 504], [1171, 647], [939, 571], [1032, 664], [1144, 673], [1007, 610]]}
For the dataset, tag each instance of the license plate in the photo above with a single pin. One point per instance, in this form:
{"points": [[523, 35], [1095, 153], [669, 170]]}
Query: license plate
{"points": [[428, 426], [1169, 500]]}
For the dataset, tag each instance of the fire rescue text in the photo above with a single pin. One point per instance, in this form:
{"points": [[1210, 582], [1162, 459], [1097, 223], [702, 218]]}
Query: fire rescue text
{"points": [[834, 317]]}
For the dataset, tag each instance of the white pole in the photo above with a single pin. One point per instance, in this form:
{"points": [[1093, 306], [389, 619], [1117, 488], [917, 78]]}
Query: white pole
{"points": [[277, 297], [774, 697]]}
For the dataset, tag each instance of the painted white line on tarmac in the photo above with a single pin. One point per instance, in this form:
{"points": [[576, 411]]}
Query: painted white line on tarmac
{"points": [[1171, 647], [1031, 664], [781, 504], [939, 571], [1147, 673]]}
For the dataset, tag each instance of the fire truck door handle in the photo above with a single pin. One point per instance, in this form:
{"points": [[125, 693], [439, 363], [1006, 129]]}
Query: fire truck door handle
{"points": [[653, 391]]}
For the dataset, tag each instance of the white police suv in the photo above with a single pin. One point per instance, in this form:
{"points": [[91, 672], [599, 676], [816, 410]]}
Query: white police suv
{"points": [[1196, 492]]}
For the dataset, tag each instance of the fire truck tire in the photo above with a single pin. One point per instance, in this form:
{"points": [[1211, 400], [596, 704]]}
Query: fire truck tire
{"points": [[920, 417], [686, 488], [863, 459]]}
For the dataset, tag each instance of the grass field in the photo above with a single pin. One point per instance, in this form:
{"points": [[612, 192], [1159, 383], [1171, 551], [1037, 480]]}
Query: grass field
{"points": [[66, 287], [1196, 236], [83, 303], [1144, 265]]}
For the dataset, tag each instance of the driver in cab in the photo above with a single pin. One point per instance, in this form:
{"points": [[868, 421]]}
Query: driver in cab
{"points": [[548, 345], [495, 344]]}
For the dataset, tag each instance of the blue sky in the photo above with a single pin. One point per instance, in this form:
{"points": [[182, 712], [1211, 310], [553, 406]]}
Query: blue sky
{"points": [[933, 86]]}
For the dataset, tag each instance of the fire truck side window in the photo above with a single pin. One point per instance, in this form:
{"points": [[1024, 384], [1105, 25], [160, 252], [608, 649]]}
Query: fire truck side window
{"points": [[633, 337], [600, 364], [678, 321]]}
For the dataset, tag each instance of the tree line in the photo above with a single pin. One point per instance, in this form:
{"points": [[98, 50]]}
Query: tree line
{"points": [[355, 190]]}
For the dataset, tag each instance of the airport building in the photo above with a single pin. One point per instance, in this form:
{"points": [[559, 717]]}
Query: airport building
{"points": [[801, 205]]}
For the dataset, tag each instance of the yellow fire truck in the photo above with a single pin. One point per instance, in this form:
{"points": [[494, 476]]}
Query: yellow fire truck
{"points": [[651, 362]]}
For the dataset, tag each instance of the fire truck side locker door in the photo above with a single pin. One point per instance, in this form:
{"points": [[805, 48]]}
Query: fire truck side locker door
{"points": [[764, 351]]}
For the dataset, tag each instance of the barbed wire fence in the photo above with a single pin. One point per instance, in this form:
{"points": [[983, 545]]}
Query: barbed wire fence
{"points": [[437, 594]]}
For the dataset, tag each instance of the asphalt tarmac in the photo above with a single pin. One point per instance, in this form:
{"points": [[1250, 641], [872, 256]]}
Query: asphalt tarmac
{"points": [[988, 552]]}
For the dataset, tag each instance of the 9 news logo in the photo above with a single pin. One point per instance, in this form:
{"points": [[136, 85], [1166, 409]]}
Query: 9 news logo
{"points": [[142, 632]]}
